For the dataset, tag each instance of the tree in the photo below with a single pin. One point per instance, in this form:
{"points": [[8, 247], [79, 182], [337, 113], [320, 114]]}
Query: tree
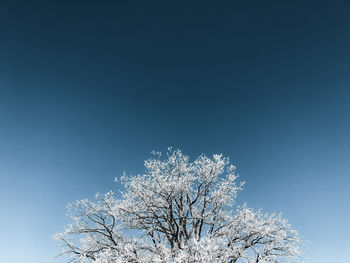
{"points": [[177, 211]]}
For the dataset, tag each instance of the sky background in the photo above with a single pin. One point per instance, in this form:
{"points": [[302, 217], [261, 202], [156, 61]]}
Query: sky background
{"points": [[89, 89]]}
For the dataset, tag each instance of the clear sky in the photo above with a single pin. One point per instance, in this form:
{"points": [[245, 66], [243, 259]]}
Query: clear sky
{"points": [[88, 89]]}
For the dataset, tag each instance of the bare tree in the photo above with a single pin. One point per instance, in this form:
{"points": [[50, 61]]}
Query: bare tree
{"points": [[177, 211]]}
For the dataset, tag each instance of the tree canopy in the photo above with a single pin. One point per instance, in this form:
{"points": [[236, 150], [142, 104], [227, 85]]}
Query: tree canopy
{"points": [[177, 211]]}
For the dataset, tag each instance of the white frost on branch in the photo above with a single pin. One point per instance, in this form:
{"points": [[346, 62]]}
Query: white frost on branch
{"points": [[177, 211]]}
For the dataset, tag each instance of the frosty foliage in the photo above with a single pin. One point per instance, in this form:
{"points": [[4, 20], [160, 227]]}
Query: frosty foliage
{"points": [[177, 211]]}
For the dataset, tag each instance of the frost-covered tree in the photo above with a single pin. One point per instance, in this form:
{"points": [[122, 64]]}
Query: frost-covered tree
{"points": [[177, 211]]}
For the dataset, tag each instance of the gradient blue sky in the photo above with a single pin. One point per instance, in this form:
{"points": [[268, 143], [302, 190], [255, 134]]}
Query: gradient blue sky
{"points": [[89, 89]]}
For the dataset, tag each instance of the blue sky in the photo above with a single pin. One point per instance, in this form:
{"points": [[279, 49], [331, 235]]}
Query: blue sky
{"points": [[89, 89]]}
